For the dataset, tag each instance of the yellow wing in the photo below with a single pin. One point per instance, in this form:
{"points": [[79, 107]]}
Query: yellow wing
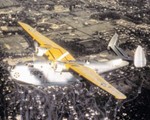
{"points": [[55, 52], [93, 77]]}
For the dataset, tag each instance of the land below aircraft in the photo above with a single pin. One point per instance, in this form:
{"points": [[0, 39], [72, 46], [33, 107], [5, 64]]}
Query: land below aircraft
{"points": [[62, 68]]}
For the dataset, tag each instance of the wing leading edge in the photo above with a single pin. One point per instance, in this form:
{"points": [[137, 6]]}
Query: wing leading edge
{"points": [[54, 51], [93, 77]]}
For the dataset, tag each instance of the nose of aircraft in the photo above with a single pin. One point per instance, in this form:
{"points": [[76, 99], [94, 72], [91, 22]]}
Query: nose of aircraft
{"points": [[16, 72], [22, 73]]}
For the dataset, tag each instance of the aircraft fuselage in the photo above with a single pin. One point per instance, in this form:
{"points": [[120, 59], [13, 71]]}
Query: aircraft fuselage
{"points": [[49, 73]]}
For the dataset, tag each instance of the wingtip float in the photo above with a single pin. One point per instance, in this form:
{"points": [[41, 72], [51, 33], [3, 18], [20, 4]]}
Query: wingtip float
{"points": [[60, 64]]}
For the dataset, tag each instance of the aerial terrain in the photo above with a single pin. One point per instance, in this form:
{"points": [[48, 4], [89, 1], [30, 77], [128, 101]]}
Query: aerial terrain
{"points": [[84, 28]]}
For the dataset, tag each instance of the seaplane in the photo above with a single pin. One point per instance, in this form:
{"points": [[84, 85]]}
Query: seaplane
{"points": [[60, 67]]}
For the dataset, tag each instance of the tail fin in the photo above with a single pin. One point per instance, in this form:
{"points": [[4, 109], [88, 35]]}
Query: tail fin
{"points": [[139, 57], [118, 51], [113, 41]]}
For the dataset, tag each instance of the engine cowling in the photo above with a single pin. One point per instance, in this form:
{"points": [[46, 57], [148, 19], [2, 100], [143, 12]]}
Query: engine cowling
{"points": [[39, 50]]}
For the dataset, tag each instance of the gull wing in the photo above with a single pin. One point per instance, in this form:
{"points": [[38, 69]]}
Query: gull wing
{"points": [[54, 51], [93, 77]]}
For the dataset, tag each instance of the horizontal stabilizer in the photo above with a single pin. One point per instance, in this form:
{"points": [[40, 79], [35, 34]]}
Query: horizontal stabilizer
{"points": [[139, 57], [93, 77]]}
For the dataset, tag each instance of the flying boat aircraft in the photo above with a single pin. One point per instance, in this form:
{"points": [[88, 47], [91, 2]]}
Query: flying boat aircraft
{"points": [[61, 67]]}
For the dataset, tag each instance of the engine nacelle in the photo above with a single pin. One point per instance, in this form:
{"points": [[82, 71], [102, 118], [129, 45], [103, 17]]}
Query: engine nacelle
{"points": [[39, 50]]}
